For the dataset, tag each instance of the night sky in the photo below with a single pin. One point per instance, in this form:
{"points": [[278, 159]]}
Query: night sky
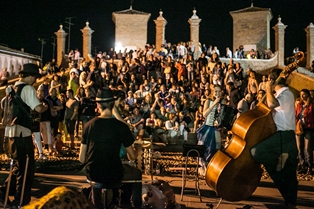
{"points": [[23, 22]]}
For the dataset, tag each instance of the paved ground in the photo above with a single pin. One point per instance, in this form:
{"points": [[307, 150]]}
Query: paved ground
{"points": [[265, 196]]}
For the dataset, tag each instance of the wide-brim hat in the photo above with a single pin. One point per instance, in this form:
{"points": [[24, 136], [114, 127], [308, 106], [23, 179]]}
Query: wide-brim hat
{"points": [[31, 69], [104, 95]]}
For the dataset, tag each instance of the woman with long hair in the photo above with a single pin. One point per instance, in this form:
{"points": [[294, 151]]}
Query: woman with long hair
{"points": [[304, 132], [208, 134]]}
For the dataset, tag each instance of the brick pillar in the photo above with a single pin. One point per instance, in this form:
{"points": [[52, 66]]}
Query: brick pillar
{"points": [[87, 40], [280, 41], [160, 23], [194, 32], [309, 45], [61, 34]]}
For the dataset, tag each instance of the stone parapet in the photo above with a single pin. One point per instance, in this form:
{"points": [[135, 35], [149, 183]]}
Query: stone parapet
{"points": [[259, 65]]}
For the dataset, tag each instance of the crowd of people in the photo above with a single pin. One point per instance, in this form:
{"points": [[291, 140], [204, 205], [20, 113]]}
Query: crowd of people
{"points": [[163, 95]]}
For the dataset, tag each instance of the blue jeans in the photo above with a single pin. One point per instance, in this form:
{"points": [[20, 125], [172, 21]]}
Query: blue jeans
{"points": [[85, 119], [267, 153]]}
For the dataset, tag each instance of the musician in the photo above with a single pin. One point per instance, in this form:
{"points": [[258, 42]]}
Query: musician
{"points": [[279, 152], [100, 150], [209, 133]]}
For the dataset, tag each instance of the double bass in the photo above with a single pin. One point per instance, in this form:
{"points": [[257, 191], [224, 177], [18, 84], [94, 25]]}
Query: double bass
{"points": [[233, 173]]}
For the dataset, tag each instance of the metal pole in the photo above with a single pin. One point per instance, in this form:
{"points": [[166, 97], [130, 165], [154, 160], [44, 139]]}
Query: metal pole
{"points": [[69, 19], [24, 181], [53, 47], [42, 50], [8, 185]]}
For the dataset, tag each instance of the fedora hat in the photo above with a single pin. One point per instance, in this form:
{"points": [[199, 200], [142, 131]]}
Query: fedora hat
{"points": [[104, 95], [31, 69]]}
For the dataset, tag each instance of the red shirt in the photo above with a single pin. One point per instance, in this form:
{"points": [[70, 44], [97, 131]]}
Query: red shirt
{"points": [[307, 115]]}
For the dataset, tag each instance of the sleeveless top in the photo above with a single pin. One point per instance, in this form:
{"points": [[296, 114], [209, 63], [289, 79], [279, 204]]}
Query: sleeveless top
{"points": [[214, 118]]}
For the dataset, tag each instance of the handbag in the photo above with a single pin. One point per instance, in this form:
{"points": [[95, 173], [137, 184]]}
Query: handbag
{"points": [[299, 128]]}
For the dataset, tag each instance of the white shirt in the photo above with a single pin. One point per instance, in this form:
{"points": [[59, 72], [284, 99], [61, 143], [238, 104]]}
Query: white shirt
{"points": [[28, 95], [284, 115], [77, 55], [229, 53]]}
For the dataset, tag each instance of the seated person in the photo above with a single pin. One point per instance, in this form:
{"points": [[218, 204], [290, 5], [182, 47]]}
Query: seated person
{"points": [[172, 126], [199, 118], [150, 123], [136, 121], [58, 145], [183, 125], [99, 151], [159, 132]]}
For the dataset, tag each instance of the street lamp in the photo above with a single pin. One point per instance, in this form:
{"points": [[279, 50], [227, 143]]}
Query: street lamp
{"points": [[42, 50]]}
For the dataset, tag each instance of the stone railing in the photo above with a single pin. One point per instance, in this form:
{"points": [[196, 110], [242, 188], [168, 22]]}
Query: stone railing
{"points": [[258, 65]]}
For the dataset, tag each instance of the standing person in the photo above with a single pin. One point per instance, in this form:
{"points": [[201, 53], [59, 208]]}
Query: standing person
{"points": [[61, 126], [71, 114], [100, 150], [233, 94], [55, 83], [262, 84], [207, 134], [304, 114], [87, 106], [56, 106], [278, 153], [45, 122], [19, 136], [63, 80], [4, 77], [45, 86], [72, 83], [252, 86]]}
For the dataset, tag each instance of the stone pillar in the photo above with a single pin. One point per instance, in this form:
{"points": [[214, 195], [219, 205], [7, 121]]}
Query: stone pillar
{"points": [[309, 45], [61, 34], [280, 41], [87, 40], [160, 23], [194, 33]]}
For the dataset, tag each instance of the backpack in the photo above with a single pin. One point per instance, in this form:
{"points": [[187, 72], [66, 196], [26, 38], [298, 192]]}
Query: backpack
{"points": [[14, 108]]}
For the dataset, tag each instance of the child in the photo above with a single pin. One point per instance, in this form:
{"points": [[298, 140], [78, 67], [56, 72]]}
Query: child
{"points": [[58, 145]]}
